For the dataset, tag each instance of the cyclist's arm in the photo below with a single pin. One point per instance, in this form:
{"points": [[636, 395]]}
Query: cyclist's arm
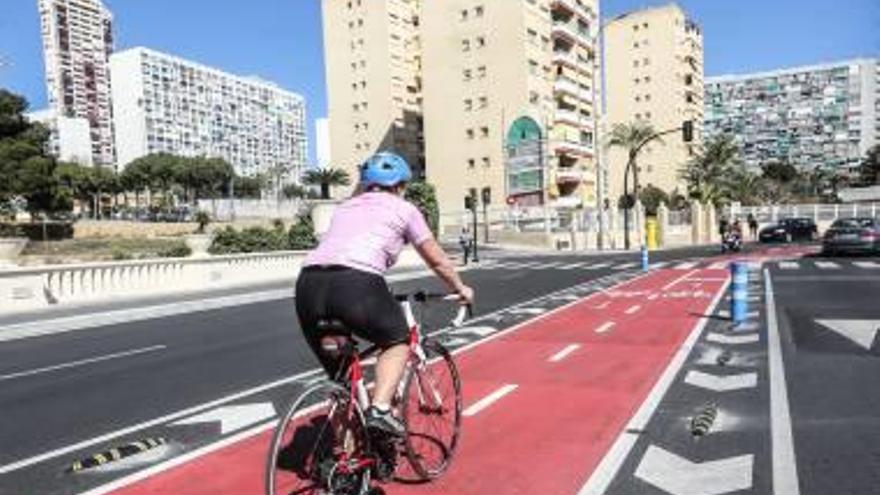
{"points": [[436, 259]]}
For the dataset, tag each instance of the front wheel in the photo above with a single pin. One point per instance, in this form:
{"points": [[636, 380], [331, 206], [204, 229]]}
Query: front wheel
{"points": [[319, 445], [432, 412]]}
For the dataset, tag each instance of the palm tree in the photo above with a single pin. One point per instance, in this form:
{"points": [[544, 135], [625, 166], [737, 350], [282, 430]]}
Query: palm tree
{"points": [[708, 175], [632, 138], [326, 178]]}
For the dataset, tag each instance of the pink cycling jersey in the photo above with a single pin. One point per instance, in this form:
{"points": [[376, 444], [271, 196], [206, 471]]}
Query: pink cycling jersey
{"points": [[368, 232]]}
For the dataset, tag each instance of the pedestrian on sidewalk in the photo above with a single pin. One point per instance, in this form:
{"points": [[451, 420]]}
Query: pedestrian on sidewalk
{"points": [[723, 227], [753, 226], [464, 239]]}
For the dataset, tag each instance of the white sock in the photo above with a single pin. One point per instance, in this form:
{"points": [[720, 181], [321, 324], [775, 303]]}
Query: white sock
{"points": [[382, 407]]}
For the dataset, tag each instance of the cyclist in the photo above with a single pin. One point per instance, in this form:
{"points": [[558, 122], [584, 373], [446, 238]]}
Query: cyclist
{"points": [[342, 279]]}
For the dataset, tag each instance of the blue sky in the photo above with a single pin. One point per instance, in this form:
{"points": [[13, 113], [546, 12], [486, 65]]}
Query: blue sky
{"points": [[280, 40]]}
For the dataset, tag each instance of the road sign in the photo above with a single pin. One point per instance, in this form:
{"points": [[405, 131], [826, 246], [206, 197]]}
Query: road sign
{"points": [[862, 332]]}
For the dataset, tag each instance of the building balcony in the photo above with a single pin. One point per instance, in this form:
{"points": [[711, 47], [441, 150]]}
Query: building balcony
{"points": [[574, 7], [572, 33], [568, 59], [567, 86], [574, 148], [569, 117]]}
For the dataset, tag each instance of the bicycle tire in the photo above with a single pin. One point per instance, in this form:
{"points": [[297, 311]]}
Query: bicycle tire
{"points": [[304, 469], [418, 437]]}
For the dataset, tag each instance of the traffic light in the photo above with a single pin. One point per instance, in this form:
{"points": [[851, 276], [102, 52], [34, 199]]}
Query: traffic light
{"points": [[487, 196], [687, 131], [469, 203]]}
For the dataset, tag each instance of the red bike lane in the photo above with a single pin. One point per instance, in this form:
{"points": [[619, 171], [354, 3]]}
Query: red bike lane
{"points": [[545, 400]]}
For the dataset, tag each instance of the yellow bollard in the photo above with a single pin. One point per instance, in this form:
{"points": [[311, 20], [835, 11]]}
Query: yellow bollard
{"points": [[651, 233]]}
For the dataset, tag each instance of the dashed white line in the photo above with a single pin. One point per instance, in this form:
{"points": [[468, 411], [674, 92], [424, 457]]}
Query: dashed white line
{"points": [[626, 266], [605, 327], [719, 265], [827, 265], [603, 305], [488, 400], [633, 309], [597, 266], [688, 265], [789, 265], [679, 279], [870, 265], [82, 362], [559, 356]]}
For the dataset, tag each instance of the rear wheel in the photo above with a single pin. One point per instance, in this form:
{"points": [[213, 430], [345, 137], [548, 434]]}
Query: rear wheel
{"points": [[319, 446], [432, 412]]}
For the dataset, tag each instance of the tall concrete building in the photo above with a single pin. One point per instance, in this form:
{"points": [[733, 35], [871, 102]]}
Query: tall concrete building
{"points": [[77, 43], [820, 115], [374, 89], [163, 103], [69, 137], [654, 75], [509, 100]]}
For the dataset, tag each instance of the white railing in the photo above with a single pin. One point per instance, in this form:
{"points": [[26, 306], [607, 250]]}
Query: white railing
{"points": [[225, 209], [38, 287], [818, 212]]}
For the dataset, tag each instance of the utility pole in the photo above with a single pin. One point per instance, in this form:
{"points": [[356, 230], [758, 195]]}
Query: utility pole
{"points": [[470, 203]]}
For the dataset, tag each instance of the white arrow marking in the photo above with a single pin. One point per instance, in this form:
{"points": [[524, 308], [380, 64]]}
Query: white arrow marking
{"points": [[633, 309], [233, 418], [679, 476], [484, 331], [862, 332], [732, 339], [721, 383]]}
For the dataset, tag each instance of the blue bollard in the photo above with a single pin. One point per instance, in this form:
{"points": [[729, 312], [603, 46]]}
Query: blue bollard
{"points": [[644, 259], [739, 291]]}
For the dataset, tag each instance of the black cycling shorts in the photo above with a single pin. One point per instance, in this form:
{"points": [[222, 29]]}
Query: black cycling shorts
{"points": [[360, 300]]}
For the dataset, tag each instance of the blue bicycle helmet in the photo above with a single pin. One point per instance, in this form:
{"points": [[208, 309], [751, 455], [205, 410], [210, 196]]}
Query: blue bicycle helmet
{"points": [[385, 169]]}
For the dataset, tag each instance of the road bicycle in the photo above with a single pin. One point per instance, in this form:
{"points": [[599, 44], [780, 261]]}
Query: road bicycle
{"points": [[321, 445]]}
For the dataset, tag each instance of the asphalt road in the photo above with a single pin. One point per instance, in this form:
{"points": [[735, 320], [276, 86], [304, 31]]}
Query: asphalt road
{"points": [[60, 393]]}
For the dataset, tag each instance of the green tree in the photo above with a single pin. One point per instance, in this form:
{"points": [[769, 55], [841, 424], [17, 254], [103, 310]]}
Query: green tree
{"points": [[651, 197], [249, 187], [424, 196], [869, 170], [632, 139], [744, 187], [326, 178], [135, 178], [708, 174], [302, 234]]}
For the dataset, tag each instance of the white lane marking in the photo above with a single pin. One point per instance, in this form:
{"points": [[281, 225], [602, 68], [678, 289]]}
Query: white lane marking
{"points": [[572, 266], [870, 265], [720, 338], [679, 476], [544, 266], [233, 417], [719, 265], [687, 265], [597, 266], [153, 422], [603, 305], [789, 265], [559, 356], [605, 327], [659, 264], [678, 280], [785, 479], [721, 383], [633, 309], [827, 265], [488, 400], [607, 469], [527, 311], [625, 266], [159, 468], [82, 362]]}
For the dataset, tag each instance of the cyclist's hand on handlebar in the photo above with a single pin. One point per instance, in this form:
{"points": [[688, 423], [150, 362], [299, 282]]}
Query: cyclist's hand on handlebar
{"points": [[466, 294]]}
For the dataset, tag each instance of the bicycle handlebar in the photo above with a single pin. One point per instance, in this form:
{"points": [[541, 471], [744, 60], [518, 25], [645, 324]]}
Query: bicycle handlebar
{"points": [[464, 312]]}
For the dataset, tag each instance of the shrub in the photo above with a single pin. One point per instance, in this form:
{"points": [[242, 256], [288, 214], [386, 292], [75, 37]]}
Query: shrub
{"points": [[203, 219], [177, 251], [120, 254], [301, 235], [249, 240]]}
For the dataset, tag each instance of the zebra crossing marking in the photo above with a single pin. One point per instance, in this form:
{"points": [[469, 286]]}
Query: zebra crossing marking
{"points": [[625, 266], [827, 265], [789, 265], [870, 265], [718, 265], [687, 265]]}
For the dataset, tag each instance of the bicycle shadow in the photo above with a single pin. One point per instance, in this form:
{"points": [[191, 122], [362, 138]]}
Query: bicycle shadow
{"points": [[306, 449]]}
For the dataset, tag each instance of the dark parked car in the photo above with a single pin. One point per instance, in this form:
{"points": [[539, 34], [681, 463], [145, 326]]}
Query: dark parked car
{"points": [[852, 235], [790, 229]]}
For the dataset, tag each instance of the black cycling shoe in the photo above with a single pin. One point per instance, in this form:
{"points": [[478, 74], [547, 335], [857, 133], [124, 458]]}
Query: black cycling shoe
{"points": [[384, 422]]}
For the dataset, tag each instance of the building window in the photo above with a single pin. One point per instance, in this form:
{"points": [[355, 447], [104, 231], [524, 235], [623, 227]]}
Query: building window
{"points": [[484, 102], [479, 11], [635, 63], [647, 79], [636, 44], [464, 15], [647, 97], [465, 45], [638, 98], [468, 104], [470, 133], [645, 25], [481, 41], [467, 74], [472, 163], [481, 71], [486, 162], [645, 61], [688, 79], [484, 131], [534, 97]]}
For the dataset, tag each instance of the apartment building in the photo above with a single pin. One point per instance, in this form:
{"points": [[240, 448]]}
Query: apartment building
{"points": [[508, 101], [820, 115], [654, 75], [163, 103], [77, 43], [374, 90]]}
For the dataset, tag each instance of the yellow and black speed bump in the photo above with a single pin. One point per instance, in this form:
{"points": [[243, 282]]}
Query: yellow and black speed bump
{"points": [[702, 422], [116, 454]]}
